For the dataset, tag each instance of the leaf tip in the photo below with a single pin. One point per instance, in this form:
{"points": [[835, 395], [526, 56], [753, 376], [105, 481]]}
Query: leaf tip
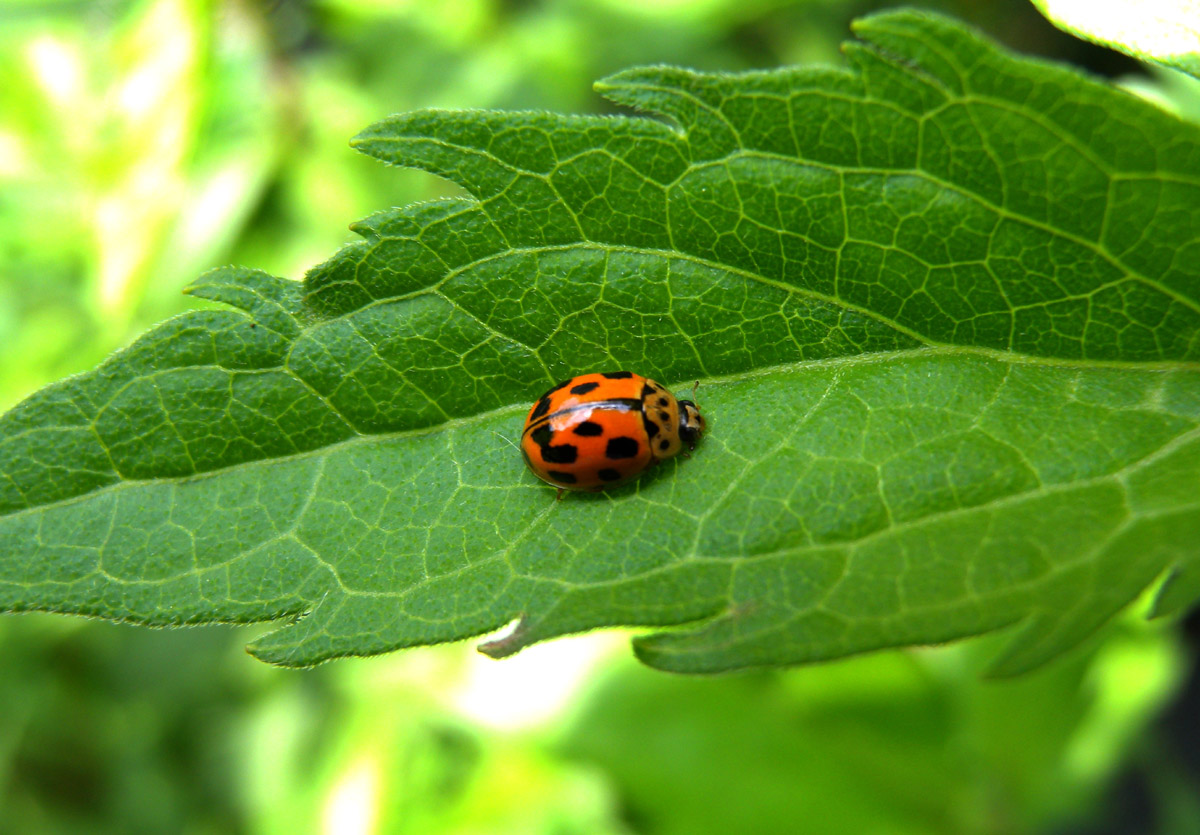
{"points": [[510, 640], [1178, 591], [368, 140], [1038, 639], [655, 88], [207, 280], [636, 76]]}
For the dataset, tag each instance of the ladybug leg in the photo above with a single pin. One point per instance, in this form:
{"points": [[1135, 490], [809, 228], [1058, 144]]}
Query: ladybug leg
{"points": [[558, 498], [695, 386]]}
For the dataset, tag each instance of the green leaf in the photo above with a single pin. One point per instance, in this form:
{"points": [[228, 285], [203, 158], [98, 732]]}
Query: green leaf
{"points": [[945, 312], [1163, 32]]}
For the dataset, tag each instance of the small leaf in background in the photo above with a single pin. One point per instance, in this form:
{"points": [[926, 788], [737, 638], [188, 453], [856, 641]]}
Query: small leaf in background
{"points": [[944, 311], [1163, 32]]}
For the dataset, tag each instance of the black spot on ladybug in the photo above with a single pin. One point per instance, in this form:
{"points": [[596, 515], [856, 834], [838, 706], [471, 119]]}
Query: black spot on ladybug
{"points": [[584, 388], [664, 444], [617, 375], [621, 448], [546, 397], [541, 436], [651, 426], [542, 407], [609, 474], [664, 417], [560, 454], [561, 477], [588, 429], [648, 391], [662, 401]]}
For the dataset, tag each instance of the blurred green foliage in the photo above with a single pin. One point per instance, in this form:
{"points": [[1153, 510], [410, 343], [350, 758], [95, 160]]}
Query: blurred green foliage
{"points": [[144, 142], [897, 742]]}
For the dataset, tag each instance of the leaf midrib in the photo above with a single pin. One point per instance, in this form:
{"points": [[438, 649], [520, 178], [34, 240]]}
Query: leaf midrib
{"points": [[949, 351], [694, 556], [1118, 477]]}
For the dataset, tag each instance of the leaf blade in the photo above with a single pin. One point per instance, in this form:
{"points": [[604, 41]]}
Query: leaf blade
{"points": [[906, 349]]}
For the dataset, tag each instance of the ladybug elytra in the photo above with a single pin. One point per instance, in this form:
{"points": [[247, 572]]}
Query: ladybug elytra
{"points": [[597, 431]]}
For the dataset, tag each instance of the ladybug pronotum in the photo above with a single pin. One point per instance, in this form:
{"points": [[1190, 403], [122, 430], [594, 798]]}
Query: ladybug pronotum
{"points": [[597, 431]]}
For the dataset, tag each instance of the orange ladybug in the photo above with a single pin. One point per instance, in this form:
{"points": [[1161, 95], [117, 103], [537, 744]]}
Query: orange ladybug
{"points": [[597, 431]]}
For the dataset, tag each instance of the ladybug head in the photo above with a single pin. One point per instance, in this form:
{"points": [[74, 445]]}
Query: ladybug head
{"points": [[691, 423]]}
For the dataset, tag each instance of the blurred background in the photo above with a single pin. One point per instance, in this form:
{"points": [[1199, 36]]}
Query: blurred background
{"points": [[142, 143]]}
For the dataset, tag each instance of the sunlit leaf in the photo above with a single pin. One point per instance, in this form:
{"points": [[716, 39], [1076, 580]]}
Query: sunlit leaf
{"points": [[1159, 31], [944, 308]]}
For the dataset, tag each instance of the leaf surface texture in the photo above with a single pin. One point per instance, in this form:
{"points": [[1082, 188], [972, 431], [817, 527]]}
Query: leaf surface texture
{"points": [[944, 308]]}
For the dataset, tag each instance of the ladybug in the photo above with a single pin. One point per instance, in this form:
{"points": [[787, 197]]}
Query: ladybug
{"points": [[597, 431]]}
